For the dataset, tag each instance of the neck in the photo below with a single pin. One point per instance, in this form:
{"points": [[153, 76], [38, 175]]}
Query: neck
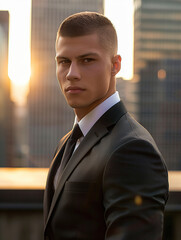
{"points": [[82, 112]]}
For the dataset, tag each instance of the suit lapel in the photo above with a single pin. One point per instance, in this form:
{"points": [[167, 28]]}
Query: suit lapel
{"points": [[98, 131], [49, 191]]}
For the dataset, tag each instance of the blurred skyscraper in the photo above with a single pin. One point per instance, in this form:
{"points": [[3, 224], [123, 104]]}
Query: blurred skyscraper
{"points": [[49, 117], [128, 92], [6, 106], [157, 68]]}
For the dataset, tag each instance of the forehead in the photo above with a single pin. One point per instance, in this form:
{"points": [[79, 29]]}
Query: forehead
{"points": [[78, 45]]}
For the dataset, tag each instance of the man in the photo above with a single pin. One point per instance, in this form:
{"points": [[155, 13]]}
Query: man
{"points": [[115, 184]]}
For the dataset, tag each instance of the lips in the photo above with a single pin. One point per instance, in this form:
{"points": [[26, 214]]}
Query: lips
{"points": [[74, 89]]}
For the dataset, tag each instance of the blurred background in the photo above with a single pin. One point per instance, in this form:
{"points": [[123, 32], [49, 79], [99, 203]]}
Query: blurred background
{"points": [[34, 115]]}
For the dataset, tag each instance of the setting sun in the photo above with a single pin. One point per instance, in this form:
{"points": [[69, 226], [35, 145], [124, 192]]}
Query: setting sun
{"points": [[19, 63], [120, 12]]}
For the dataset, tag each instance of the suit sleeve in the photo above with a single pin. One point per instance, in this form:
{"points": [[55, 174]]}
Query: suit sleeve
{"points": [[135, 190]]}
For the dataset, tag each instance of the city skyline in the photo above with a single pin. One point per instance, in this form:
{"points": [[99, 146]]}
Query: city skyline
{"points": [[152, 96], [19, 54], [157, 64], [20, 66]]}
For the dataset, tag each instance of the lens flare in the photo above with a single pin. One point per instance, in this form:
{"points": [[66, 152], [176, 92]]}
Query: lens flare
{"points": [[19, 59]]}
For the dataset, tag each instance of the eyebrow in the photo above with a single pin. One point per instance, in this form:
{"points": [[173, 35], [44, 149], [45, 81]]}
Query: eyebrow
{"points": [[79, 57], [88, 54]]}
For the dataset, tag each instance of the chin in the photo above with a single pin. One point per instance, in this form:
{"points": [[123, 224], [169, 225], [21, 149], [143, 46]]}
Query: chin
{"points": [[74, 105], [77, 105]]}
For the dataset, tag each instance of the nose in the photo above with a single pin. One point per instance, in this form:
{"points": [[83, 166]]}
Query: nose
{"points": [[73, 72]]}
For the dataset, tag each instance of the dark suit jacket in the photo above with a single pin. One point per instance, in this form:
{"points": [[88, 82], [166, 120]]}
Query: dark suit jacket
{"points": [[114, 187]]}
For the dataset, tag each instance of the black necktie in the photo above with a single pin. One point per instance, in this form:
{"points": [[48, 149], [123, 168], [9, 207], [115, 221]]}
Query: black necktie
{"points": [[69, 148], [70, 145]]}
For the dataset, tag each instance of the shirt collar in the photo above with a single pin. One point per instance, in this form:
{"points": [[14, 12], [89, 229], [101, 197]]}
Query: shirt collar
{"points": [[87, 122]]}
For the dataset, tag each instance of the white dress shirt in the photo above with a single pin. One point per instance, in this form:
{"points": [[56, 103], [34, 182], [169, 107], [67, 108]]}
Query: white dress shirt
{"points": [[87, 122]]}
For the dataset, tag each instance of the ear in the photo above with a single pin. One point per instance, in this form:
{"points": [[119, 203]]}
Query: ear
{"points": [[116, 64]]}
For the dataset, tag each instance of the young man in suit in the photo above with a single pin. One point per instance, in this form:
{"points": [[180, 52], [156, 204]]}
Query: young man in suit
{"points": [[115, 184]]}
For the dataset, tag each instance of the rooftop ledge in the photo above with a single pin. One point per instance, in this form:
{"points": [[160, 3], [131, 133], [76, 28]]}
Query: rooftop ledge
{"points": [[35, 178], [23, 178]]}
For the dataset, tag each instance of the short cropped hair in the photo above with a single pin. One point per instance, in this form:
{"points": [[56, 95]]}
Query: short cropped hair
{"points": [[85, 23]]}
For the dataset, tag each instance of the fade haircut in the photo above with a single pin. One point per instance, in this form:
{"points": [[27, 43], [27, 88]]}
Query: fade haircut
{"points": [[85, 23]]}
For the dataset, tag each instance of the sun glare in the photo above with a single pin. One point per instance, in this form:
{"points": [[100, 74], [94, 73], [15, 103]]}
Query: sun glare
{"points": [[120, 12], [19, 59]]}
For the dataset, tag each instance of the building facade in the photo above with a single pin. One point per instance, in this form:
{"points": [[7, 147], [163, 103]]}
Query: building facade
{"points": [[157, 69], [6, 106]]}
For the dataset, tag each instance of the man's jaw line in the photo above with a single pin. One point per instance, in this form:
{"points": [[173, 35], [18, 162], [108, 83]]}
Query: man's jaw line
{"points": [[81, 112]]}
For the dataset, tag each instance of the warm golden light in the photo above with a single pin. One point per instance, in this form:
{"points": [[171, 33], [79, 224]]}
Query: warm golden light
{"points": [[161, 74], [23, 178], [19, 65], [19, 59], [120, 12]]}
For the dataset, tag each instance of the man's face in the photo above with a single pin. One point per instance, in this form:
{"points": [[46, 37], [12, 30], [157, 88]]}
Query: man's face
{"points": [[84, 71]]}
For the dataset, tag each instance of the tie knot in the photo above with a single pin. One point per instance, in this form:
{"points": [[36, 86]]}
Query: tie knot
{"points": [[76, 133]]}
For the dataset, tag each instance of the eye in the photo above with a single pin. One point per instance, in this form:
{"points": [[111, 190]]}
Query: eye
{"points": [[87, 60], [63, 61]]}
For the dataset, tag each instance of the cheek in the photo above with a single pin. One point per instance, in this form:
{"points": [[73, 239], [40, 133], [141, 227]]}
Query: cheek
{"points": [[58, 72], [103, 76], [60, 77], [60, 83], [98, 72]]}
